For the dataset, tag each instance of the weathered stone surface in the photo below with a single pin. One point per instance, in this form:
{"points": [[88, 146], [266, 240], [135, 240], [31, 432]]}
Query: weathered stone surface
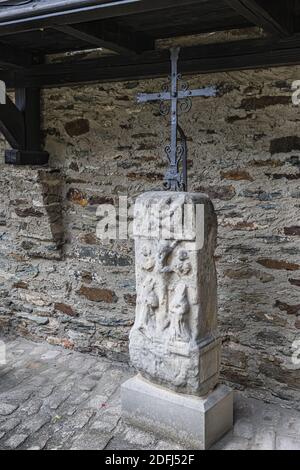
{"points": [[98, 295], [174, 341], [287, 176], [237, 175], [89, 238], [254, 103], [130, 299], [285, 144], [64, 342], [289, 309], [245, 273], [77, 197], [270, 162], [217, 192], [278, 264], [34, 318], [99, 200], [237, 118], [147, 176], [113, 258], [269, 367], [287, 443], [7, 409], [66, 309], [28, 212], [261, 195], [240, 225], [195, 423], [20, 285], [293, 231], [15, 441], [77, 127]]}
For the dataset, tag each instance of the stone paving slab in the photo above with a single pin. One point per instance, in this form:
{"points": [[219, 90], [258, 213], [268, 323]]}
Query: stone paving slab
{"points": [[52, 398]]}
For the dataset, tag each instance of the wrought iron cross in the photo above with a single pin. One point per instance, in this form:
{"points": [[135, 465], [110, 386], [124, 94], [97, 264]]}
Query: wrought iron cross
{"points": [[176, 101]]}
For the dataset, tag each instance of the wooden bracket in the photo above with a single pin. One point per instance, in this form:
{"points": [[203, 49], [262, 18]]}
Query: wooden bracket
{"points": [[20, 125]]}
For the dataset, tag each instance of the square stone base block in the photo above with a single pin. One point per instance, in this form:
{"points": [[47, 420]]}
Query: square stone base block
{"points": [[195, 423]]}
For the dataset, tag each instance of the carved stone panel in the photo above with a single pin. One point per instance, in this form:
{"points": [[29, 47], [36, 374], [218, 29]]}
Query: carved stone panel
{"points": [[174, 341]]}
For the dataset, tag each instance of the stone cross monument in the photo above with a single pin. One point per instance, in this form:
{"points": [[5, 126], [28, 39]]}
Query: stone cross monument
{"points": [[174, 344]]}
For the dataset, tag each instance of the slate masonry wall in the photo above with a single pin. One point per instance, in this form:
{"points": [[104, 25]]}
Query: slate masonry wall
{"points": [[60, 284]]}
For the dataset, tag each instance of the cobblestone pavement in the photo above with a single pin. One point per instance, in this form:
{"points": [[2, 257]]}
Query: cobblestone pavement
{"points": [[51, 398]]}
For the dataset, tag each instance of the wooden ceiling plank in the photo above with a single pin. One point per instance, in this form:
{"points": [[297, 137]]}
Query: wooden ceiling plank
{"points": [[109, 35], [238, 55], [90, 13], [13, 57], [275, 17]]}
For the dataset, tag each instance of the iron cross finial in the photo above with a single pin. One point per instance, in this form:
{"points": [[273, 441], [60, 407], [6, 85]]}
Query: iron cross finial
{"points": [[176, 101]]}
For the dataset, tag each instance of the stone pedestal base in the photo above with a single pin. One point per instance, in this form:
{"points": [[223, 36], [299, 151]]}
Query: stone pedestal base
{"points": [[196, 423]]}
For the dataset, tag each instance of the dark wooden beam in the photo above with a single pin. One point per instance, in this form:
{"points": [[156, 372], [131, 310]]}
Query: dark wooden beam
{"points": [[238, 55], [275, 17], [109, 35], [20, 125], [12, 124], [63, 12], [14, 58], [28, 102]]}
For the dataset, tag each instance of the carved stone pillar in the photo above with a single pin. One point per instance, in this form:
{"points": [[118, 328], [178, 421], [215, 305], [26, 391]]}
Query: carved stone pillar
{"points": [[174, 344]]}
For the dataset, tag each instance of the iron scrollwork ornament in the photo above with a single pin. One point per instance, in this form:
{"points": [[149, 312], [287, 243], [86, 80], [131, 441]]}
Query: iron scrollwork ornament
{"points": [[176, 176], [175, 102]]}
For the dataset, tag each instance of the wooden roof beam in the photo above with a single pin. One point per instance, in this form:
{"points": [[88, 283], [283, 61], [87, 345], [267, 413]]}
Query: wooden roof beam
{"points": [[238, 55], [275, 17], [109, 35], [70, 12], [14, 58]]}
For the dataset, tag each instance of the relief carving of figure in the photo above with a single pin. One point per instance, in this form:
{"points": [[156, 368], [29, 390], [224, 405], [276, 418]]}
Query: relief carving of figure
{"points": [[165, 250], [164, 270], [148, 260], [150, 305], [179, 309], [183, 266], [160, 305]]}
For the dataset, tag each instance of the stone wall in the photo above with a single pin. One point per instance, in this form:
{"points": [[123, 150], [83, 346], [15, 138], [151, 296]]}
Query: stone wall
{"points": [[59, 283]]}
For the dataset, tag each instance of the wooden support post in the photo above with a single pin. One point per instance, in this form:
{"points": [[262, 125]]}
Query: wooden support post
{"points": [[28, 149], [12, 124]]}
